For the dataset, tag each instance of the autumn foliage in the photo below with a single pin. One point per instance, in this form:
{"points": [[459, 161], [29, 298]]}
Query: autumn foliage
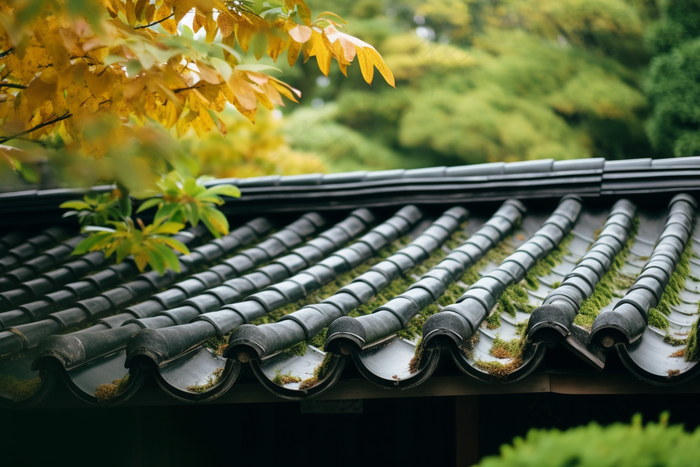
{"points": [[78, 76], [106, 89]]}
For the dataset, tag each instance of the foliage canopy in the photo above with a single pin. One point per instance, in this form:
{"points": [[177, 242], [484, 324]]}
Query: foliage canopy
{"points": [[618, 445], [79, 76]]}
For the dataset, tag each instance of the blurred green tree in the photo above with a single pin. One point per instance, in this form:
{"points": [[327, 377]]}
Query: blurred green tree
{"points": [[486, 81], [673, 84], [618, 445]]}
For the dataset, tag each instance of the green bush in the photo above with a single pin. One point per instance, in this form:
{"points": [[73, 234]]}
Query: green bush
{"points": [[618, 445]]}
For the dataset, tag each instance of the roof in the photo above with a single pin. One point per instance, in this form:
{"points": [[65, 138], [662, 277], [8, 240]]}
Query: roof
{"points": [[484, 273]]}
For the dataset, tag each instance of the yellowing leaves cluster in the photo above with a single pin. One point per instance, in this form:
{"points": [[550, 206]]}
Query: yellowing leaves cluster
{"points": [[93, 72]]}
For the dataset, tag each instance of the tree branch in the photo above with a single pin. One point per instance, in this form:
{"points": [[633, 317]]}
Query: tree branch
{"points": [[178, 90], [196, 86], [5, 139], [10, 85], [154, 23], [7, 52]]}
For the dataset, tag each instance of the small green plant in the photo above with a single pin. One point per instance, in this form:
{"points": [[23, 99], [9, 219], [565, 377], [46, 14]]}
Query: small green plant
{"points": [[287, 378], [617, 445], [212, 381], [94, 209], [185, 199], [107, 218]]}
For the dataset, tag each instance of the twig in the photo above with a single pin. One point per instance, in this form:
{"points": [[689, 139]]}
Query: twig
{"points": [[154, 23], [196, 86], [10, 85], [5, 139]]}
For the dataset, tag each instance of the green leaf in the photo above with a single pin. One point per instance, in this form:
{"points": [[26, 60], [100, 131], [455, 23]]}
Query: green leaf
{"points": [[168, 228], [211, 199], [149, 203], [192, 211], [133, 67], [85, 245], [226, 190], [155, 259], [190, 186], [215, 221], [124, 249], [176, 245], [167, 210], [258, 44], [77, 205], [170, 259], [256, 67], [187, 32], [223, 68], [95, 228]]}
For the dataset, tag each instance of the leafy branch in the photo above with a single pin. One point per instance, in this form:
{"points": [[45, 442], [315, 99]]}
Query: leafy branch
{"points": [[154, 23], [5, 139], [107, 217]]}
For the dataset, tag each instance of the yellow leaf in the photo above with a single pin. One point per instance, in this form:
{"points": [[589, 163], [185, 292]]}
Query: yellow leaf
{"points": [[170, 25], [366, 66], [162, 13], [38, 92], [130, 13], [244, 92], [293, 52], [272, 94], [150, 12], [180, 9], [244, 33], [262, 98], [275, 46], [227, 23], [300, 33], [381, 66], [140, 5], [184, 122], [208, 73], [92, 104], [211, 28], [320, 49], [286, 90], [141, 259], [198, 23]]}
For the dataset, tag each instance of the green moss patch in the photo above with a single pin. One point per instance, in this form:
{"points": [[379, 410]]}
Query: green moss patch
{"points": [[545, 265], [506, 349], [212, 381], [692, 353], [320, 372], [282, 379], [512, 299], [469, 345], [497, 369], [217, 344], [676, 284], [332, 287], [657, 320], [104, 393], [612, 281], [17, 389]]}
